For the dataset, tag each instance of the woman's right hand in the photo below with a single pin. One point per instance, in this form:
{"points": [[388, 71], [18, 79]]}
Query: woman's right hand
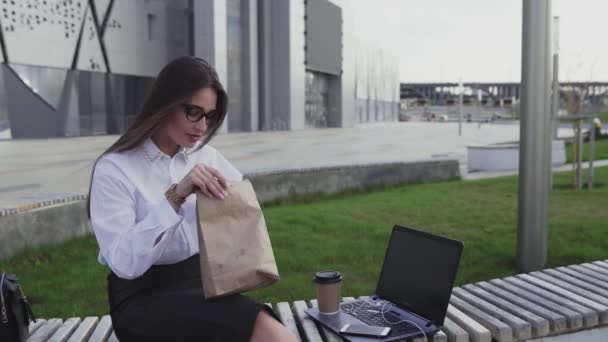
{"points": [[207, 179]]}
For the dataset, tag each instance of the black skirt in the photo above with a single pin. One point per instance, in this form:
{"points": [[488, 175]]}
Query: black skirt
{"points": [[167, 304]]}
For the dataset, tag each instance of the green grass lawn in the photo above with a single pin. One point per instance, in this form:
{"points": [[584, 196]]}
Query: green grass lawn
{"points": [[603, 117], [601, 150], [349, 233]]}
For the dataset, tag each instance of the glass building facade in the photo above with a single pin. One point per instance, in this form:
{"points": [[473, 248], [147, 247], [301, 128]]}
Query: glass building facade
{"points": [[317, 99], [81, 68], [234, 70]]}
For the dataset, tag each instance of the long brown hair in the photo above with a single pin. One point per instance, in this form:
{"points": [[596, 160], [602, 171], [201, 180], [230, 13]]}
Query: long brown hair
{"points": [[176, 82]]}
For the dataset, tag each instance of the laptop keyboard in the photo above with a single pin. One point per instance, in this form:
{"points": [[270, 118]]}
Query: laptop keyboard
{"points": [[372, 315]]}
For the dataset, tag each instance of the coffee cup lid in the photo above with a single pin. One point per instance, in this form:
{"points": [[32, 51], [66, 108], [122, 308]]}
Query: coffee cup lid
{"points": [[327, 277]]}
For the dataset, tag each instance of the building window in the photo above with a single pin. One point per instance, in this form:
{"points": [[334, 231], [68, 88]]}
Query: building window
{"points": [[152, 23], [317, 99]]}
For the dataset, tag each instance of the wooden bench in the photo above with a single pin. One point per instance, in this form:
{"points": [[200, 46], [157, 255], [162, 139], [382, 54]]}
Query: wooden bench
{"points": [[537, 306]]}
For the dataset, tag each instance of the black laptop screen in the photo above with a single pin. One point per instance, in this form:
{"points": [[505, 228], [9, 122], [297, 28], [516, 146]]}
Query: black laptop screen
{"points": [[419, 271]]}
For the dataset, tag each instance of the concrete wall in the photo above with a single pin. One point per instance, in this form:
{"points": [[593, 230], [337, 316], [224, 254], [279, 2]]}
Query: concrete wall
{"points": [[276, 185], [59, 222], [506, 156], [42, 226]]}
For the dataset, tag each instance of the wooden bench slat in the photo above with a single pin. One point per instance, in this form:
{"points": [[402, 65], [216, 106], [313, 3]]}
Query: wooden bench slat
{"points": [[328, 335], [584, 270], [65, 331], [596, 269], [84, 330], [103, 330], [47, 329], [309, 328], [525, 306], [284, 312], [557, 322], [577, 281], [590, 317], [35, 325], [601, 309], [476, 331], [574, 318], [599, 276], [575, 285], [539, 325], [440, 336], [521, 329], [500, 331], [601, 264], [572, 272], [454, 332]]}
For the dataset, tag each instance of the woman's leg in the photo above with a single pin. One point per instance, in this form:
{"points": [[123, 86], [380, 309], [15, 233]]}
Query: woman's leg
{"points": [[266, 328]]}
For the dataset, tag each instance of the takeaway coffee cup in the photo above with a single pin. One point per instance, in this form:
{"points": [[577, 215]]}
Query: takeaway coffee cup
{"points": [[328, 291]]}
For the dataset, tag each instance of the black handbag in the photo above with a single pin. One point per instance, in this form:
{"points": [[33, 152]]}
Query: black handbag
{"points": [[15, 311]]}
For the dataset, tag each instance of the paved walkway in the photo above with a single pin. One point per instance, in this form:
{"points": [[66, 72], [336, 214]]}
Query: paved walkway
{"points": [[35, 170]]}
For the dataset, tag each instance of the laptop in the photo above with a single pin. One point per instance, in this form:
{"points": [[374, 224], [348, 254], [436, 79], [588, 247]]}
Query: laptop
{"points": [[415, 285]]}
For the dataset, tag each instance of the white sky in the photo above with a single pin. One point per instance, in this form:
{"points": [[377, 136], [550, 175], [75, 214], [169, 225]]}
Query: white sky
{"points": [[480, 40]]}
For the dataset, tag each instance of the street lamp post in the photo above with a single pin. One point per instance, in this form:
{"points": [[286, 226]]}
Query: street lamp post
{"points": [[534, 136], [555, 106], [460, 90], [554, 96]]}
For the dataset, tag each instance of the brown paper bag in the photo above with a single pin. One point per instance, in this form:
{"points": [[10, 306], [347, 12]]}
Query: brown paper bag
{"points": [[235, 250]]}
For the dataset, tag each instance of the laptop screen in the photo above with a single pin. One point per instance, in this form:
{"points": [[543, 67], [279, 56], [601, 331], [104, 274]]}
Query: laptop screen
{"points": [[419, 272]]}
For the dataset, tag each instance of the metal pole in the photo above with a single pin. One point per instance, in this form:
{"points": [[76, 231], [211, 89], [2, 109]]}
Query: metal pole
{"points": [[535, 133], [574, 153], [591, 152], [555, 107], [579, 154], [460, 90], [479, 109], [555, 97]]}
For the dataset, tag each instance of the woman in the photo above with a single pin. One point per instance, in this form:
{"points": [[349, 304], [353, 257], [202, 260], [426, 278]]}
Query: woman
{"points": [[142, 210]]}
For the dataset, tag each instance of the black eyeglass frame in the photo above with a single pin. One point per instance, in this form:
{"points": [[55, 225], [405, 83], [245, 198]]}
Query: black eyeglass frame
{"points": [[195, 113]]}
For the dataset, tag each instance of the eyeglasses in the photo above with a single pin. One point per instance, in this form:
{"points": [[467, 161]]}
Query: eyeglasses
{"points": [[196, 113]]}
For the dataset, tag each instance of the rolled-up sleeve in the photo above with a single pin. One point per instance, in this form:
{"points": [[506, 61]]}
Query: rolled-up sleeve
{"points": [[129, 246]]}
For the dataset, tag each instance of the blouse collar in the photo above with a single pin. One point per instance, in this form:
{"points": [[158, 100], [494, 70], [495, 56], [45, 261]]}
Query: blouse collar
{"points": [[153, 154]]}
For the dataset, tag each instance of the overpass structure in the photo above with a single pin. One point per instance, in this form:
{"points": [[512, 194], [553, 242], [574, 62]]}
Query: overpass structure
{"points": [[497, 93]]}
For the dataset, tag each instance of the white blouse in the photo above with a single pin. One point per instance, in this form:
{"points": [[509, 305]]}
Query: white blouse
{"points": [[129, 211]]}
